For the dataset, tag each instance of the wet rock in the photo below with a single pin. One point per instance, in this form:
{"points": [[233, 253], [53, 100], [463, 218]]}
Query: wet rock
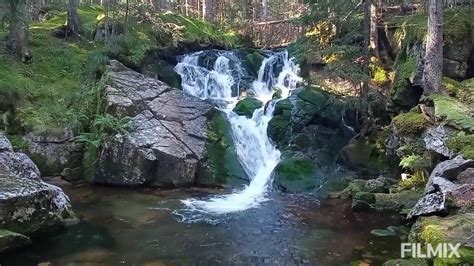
{"points": [[296, 175], [362, 201], [436, 140], [449, 170], [164, 71], [10, 240], [434, 203], [383, 232], [54, 150], [169, 140], [247, 106]]}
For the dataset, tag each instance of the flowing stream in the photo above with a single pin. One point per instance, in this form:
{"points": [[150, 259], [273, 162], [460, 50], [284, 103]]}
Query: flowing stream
{"points": [[256, 153]]}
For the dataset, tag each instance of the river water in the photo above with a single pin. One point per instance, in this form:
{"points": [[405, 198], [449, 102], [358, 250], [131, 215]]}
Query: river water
{"points": [[123, 227]]}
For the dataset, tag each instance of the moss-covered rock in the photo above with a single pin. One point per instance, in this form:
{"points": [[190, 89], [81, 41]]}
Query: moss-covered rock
{"points": [[163, 71], [410, 123], [366, 154], [247, 106], [220, 165], [406, 262], [362, 201], [402, 92], [10, 240], [453, 112], [452, 229], [253, 61], [296, 175], [279, 128], [396, 202]]}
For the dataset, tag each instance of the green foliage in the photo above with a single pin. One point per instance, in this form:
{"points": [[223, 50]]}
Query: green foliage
{"points": [[379, 75], [415, 162], [18, 143], [103, 128], [410, 123], [195, 30], [417, 181], [462, 143]]}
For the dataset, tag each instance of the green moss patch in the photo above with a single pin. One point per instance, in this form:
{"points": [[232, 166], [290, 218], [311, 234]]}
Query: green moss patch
{"points": [[247, 106], [296, 175], [221, 165], [463, 91], [451, 229], [462, 143], [410, 123], [453, 112]]}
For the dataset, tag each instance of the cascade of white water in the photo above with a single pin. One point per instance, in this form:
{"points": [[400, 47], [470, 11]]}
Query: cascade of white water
{"points": [[256, 153]]}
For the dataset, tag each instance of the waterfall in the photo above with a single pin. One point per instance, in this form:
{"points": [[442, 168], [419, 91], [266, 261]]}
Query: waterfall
{"points": [[257, 155]]}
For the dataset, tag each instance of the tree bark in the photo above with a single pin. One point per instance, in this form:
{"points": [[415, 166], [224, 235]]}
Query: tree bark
{"points": [[18, 39], [433, 69], [73, 24], [208, 10]]}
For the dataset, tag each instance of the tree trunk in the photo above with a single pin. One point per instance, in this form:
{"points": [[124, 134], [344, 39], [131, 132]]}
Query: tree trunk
{"points": [[73, 24], [264, 10], [18, 39], [433, 69], [365, 83], [208, 10], [374, 37], [35, 8]]}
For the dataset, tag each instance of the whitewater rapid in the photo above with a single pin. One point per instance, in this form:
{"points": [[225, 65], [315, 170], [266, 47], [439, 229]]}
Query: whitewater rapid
{"points": [[257, 155]]}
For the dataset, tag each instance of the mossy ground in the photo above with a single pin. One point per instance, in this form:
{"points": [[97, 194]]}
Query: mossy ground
{"points": [[54, 90]]}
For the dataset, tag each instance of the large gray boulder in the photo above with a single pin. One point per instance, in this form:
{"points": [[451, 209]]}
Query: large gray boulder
{"points": [[168, 141], [27, 204]]}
